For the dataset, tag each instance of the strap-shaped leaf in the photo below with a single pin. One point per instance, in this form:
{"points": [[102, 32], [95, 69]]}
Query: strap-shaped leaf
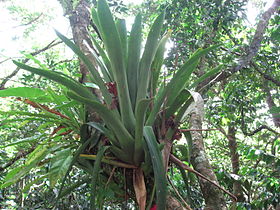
{"points": [[205, 76], [124, 155], [95, 174], [121, 27], [177, 83], [63, 106], [140, 114], [148, 56], [59, 165], [123, 136], [179, 101], [105, 131], [59, 78], [158, 61], [112, 42], [159, 172], [105, 59], [72, 187], [134, 49], [25, 92], [95, 74], [74, 159]]}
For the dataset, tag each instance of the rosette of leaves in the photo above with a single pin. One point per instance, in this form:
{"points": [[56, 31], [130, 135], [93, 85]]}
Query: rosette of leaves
{"points": [[139, 115]]}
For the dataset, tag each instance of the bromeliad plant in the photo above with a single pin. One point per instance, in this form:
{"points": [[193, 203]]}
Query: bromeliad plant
{"points": [[139, 115]]}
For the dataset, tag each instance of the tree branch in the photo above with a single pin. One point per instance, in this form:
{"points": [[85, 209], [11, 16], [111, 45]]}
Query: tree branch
{"points": [[265, 76], [30, 22], [180, 164], [6, 79], [17, 157], [254, 46], [259, 129]]}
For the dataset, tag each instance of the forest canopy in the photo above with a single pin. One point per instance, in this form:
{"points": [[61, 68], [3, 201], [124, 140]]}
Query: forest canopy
{"points": [[157, 104]]}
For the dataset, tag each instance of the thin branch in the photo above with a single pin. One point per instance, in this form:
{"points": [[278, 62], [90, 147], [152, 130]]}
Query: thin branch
{"points": [[6, 79], [180, 164], [178, 194], [18, 156], [254, 46], [105, 160], [30, 22], [210, 129], [3, 61], [259, 129], [266, 76]]}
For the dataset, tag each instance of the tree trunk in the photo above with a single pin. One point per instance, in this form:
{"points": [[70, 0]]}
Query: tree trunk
{"points": [[232, 144], [214, 198]]}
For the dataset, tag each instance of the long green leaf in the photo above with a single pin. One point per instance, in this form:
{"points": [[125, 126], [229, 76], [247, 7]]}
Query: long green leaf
{"points": [[24, 141], [60, 78], [105, 131], [73, 161], [177, 83], [59, 165], [112, 42], [121, 27], [205, 76], [181, 99], [148, 56], [158, 61], [159, 172], [106, 61], [140, 114], [123, 136], [94, 72], [134, 50], [95, 174], [25, 92], [72, 187]]}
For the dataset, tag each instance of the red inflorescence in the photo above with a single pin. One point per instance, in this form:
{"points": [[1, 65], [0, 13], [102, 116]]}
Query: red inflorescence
{"points": [[154, 207], [112, 88]]}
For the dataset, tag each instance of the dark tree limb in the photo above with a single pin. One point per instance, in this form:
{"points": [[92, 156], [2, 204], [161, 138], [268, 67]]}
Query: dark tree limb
{"points": [[18, 156], [7, 78], [30, 22], [254, 46], [180, 164], [260, 129], [264, 75]]}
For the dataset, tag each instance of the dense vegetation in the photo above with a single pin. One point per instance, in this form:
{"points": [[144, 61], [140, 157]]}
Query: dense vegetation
{"points": [[178, 110]]}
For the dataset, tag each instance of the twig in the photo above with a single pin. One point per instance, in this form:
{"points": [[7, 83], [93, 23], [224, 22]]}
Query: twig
{"points": [[266, 76], [17, 157], [3, 61], [6, 79], [30, 22], [186, 167], [111, 162], [259, 129], [110, 177], [210, 129], [178, 194]]}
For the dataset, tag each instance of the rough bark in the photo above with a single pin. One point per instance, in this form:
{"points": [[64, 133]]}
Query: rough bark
{"points": [[172, 203], [79, 22], [232, 144], [214, 199]]}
